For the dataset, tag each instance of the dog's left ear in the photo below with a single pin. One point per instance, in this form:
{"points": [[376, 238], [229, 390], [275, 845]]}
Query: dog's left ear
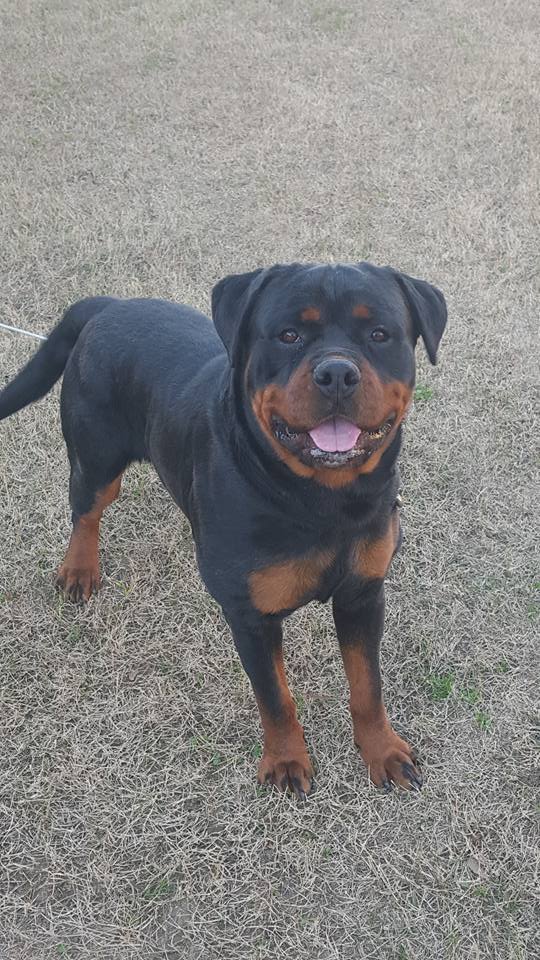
{"points": [[428, 311], [232, 302]]}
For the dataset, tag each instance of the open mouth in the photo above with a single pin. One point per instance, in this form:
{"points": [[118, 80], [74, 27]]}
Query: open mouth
{"points": [[334, 442]]}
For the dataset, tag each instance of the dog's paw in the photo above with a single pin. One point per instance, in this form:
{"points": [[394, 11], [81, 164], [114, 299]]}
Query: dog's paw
{"points": [[390, 760], [290, 771], [76, 583]]}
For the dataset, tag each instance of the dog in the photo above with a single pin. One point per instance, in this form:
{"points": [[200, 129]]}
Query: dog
{"points": [[276, 429]]}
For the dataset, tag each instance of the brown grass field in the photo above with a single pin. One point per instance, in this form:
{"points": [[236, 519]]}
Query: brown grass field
{"points": [[147, 149]]}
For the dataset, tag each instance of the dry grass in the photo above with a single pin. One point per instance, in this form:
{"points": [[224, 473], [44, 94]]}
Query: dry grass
{"points": [[149, 148]]}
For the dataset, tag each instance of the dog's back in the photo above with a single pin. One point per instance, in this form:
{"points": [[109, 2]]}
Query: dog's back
{"points": [[142, 338]]}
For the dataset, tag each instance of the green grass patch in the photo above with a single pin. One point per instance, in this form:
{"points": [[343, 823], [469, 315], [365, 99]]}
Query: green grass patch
{"points": [[198, 742], [300, 704], [470, 695], [422, 394], [483, 720], [480, 890], [330, 19], [202, 745], [533, 609], [123, 587], [158, 890], [440, 685]]}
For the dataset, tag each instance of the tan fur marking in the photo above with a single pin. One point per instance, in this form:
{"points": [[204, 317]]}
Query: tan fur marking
{"points": [[366, 704], [383, 751], [283, 586], [277, 400], [311, 314], [361, 311], [298, 403], [371, 558], [285, 761], [78, 576]]}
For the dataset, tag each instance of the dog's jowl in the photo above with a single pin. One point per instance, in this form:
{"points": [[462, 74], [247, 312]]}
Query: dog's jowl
{"points": [[276, 429]]}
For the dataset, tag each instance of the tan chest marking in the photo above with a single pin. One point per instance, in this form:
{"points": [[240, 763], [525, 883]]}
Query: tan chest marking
{"points": [[283, 586], [371, 558]]}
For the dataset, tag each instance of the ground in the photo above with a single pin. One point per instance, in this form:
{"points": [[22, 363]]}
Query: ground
{"points": [[149, 149]]}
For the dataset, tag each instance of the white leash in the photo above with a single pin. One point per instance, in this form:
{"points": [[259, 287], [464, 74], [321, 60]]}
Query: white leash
{"points": [[38, 336]]}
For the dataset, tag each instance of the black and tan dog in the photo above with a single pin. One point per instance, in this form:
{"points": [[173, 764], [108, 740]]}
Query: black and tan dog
{"points": [[280, 448]]}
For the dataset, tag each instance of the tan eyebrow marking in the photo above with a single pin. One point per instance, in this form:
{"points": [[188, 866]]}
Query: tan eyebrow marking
{"points": [[360, 310], [311, 314]]}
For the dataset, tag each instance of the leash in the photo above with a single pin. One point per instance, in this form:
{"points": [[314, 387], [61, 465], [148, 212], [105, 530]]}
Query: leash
{"points": [[27, 333]]}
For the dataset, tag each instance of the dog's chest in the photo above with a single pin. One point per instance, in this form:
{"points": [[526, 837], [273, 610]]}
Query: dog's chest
{"points": [[290, 583], [316, 574]]}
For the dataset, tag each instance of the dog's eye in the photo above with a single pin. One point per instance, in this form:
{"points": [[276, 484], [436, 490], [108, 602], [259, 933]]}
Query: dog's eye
{"points": [[289, 336], [379, 335]]}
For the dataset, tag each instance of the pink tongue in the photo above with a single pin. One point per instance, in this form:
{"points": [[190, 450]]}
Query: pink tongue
{"points": [[335, 435]]}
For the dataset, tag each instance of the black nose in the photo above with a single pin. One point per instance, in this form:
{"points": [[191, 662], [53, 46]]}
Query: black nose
{"points": [[337, 377]]}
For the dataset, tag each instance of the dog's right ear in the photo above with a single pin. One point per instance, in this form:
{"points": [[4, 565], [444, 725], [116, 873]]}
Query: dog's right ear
{"points": [[232, 302]]}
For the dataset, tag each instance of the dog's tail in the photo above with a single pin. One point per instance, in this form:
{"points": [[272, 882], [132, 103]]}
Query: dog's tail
{"points": [[47, 365]]}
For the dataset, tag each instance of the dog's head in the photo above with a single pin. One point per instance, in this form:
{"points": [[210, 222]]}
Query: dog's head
{"points": [[325, 358]]}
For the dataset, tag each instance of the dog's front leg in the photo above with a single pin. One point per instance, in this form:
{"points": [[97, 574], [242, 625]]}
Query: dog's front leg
{"points": [[285, 761], [359, 620]]}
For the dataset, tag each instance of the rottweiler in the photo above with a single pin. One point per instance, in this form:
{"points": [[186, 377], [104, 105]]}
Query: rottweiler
{"points": [[276, 429]]}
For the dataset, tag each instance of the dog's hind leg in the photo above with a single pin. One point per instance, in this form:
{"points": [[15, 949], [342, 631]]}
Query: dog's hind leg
{"points": [[78, 576], [99, 446]]}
